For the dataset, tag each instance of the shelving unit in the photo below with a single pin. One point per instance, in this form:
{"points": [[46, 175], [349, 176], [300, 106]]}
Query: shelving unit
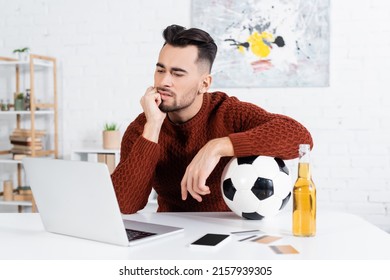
{"points": [[37, 109]]}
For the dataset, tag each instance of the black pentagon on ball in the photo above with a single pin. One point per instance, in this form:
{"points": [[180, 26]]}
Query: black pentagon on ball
{"points": [[246, 160], [285, 200], [263, 188], [228, 189], [282, 165], [252, 216]]}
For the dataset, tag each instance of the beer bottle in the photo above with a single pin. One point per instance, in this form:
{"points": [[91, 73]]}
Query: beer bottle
{"points": [[304, 197]]}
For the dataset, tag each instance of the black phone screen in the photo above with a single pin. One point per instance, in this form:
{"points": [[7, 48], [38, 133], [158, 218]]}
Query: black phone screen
{"points": [[210, 239]]}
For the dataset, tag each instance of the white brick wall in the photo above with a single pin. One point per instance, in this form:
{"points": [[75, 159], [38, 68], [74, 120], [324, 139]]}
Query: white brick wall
{"points": [[107, 51]]}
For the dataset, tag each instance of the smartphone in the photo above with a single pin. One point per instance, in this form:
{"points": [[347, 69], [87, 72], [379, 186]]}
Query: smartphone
{"points": [[210, 240]]}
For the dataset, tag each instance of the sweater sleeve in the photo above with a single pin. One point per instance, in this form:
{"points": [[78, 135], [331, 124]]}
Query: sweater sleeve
{"points": [[258, 132], [133, 175]]}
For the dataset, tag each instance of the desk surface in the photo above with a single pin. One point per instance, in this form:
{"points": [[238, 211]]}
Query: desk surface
{"points": [[339, 236]]}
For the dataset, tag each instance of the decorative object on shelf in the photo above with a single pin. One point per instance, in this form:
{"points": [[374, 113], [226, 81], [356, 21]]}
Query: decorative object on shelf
{"points": [[19, 102], [8, 190], [23, 54], [111, 136], [1, 105], [24, 193], [27, 100], [4, 106], [24, 144]]}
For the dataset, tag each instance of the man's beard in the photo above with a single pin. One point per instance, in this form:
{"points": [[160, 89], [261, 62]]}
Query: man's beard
{"points": [[166, 109], [172, 108], [175, 106]]}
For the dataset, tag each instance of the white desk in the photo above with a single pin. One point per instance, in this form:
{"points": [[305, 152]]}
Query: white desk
{"points": [[339, 236]]}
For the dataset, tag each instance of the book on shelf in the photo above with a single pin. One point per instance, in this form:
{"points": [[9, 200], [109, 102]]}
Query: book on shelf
{"points": [[28, 132], [23, 142], [25, 190], [24, 139], [109, 160], [18, 156], [23, 197], [26, 145], [37, 142], [23, 148]]}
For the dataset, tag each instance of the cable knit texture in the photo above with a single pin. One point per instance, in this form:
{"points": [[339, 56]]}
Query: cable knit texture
{"points": [[145, 165]]}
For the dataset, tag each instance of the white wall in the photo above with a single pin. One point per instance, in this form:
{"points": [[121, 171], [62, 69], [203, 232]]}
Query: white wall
{"points": [[107, 51]]}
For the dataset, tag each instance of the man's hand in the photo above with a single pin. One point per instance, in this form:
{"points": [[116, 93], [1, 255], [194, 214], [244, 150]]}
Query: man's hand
{"points": [[200, 168], [154, 116]]}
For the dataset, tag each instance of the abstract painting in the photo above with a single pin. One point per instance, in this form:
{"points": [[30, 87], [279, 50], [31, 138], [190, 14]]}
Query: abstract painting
{"points": [[267, 43]]}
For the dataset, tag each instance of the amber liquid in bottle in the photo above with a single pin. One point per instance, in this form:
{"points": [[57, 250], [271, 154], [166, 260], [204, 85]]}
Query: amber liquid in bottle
{"points": [[304, 197]]}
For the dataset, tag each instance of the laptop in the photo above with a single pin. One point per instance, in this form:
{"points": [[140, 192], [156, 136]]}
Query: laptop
{"points": [[77, 198]]}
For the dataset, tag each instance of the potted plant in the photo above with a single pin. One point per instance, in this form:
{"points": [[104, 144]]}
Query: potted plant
{"points": [[111, 136], [19, 102], [23, 53]]}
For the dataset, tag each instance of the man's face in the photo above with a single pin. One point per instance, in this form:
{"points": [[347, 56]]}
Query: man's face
{"points": [[179, 79]]}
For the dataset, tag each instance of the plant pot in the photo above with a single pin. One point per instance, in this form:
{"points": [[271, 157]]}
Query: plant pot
{"points": [[111, 139], [24, 56], [19, 105]]}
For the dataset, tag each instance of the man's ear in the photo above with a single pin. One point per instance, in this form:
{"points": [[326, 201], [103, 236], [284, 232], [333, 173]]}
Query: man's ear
{"points": [[206, 83]]}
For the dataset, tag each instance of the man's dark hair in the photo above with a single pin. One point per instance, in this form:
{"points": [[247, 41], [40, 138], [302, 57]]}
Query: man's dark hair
{"points": [[178, 36]]}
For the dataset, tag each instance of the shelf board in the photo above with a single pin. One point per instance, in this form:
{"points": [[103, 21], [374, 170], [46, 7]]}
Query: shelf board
{"points": [[15, 203], [9, 160], [46, 112], [96, 150], [26, 63], [7, 157]]}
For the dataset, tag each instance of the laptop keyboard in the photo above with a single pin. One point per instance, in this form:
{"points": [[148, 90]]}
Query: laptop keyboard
{"points": [[133, 234]]}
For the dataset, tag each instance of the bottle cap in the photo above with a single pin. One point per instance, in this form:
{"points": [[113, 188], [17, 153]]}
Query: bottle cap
{"points": [[303, 149], [304, 146]]}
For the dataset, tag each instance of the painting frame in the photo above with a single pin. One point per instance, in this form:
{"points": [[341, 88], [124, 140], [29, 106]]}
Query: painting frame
{"points": [[267, 43]]}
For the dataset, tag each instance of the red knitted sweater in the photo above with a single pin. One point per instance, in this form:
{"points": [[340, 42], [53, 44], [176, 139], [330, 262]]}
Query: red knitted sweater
{"points": [[145, 165]]}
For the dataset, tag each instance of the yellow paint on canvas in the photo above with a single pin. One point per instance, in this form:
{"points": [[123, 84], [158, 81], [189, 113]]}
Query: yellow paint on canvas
{"points": [[258, 47], [241, 49]]}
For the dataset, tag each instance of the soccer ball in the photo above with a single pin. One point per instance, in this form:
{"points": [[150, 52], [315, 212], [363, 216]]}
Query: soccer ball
{"points": [[256, 187]]}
